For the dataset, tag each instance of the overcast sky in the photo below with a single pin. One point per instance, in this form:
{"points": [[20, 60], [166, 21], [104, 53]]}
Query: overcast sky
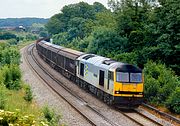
{"points": [[36, 8]]}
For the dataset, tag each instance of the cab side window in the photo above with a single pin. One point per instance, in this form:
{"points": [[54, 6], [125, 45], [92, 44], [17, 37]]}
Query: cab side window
{"points": [[82, 69], [110, 75]]}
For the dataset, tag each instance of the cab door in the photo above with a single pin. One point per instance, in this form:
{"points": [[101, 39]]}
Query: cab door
{"points": [[101, 78]]}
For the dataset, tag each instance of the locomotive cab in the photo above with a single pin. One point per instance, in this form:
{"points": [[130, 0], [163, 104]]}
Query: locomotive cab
{"points": [[128, 85]]}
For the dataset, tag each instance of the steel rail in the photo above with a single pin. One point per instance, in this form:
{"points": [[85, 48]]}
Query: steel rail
{"points": [[134, 111], [177, 120]]}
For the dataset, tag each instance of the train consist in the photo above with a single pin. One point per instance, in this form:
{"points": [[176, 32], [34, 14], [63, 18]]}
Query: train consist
{"points": [[116, 83]]}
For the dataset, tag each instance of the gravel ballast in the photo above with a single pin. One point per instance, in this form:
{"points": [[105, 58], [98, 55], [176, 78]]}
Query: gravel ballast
{"points": [[43, 95]]}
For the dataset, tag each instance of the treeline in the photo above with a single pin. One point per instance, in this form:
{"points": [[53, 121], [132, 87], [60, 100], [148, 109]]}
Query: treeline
{"points": [[13, 38], [15, 22], [140, 32]]}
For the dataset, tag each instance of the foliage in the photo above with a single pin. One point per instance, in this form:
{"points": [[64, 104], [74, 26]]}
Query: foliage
{"points": [[106, 19], [105, 41], [12, 76], [50, 115], [3, 45], [28, 93], [10, 55], [60, 39], [160, 82], [77, 28], [17, 119], [2, 96], [31, 37], [173, 102], [12, 41], [73, 17], [43, 34], [82, 45], [1, 78], [126, 57], [7, 35]]}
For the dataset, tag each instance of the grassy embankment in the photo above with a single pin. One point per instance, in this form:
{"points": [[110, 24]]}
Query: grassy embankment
{"points": [[25, 110]]}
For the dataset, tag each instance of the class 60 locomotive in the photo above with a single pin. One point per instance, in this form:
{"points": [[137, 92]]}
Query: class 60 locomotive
{"points": [[116, 83]]}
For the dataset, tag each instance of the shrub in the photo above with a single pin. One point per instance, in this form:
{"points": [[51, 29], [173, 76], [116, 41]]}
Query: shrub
{"points": [[160, 82], [10, 56], [173, 102], [151, 89], [16, 119], [12, 41], [12, 76], [2, 97], [50, 115], [28, 93], [1, 78]]}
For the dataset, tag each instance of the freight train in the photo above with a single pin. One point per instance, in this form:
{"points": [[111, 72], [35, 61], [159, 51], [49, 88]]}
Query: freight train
{"points": [[116, 83]]}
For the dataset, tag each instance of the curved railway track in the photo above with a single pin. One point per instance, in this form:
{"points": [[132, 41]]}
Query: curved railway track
{"points": [[100, 119], [134, 115]]}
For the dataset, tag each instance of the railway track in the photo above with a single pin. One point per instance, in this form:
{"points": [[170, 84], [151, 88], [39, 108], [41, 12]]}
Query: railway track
{"points": [[169, 117], [83, 108], [136, 117]]}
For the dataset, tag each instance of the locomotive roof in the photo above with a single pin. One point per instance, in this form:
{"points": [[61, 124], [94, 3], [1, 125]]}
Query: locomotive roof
{"points": [[97, 60], [107, 63]]}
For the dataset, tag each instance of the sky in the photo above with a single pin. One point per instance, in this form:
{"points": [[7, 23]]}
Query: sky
{"points": [[36, 8]]}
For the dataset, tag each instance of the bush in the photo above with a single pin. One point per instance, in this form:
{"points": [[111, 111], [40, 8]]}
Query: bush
{"points": [[1, 78], [12, 76], [160, 82], [16, 119], [2, 97], [151, 89], [50, 115], [173, 102], [31, 37], [12, 41], [28, 93], [10, 56]]}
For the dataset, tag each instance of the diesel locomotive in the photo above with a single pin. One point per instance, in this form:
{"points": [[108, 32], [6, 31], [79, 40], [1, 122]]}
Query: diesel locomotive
{"points": [[116, 83]]}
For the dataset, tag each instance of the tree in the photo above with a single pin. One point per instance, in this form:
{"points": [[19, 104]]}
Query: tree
{"points": [[106, 41], [77, 28], [60, 39], [80, 12], [168, 25], [55, 25], [106, 19]]}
